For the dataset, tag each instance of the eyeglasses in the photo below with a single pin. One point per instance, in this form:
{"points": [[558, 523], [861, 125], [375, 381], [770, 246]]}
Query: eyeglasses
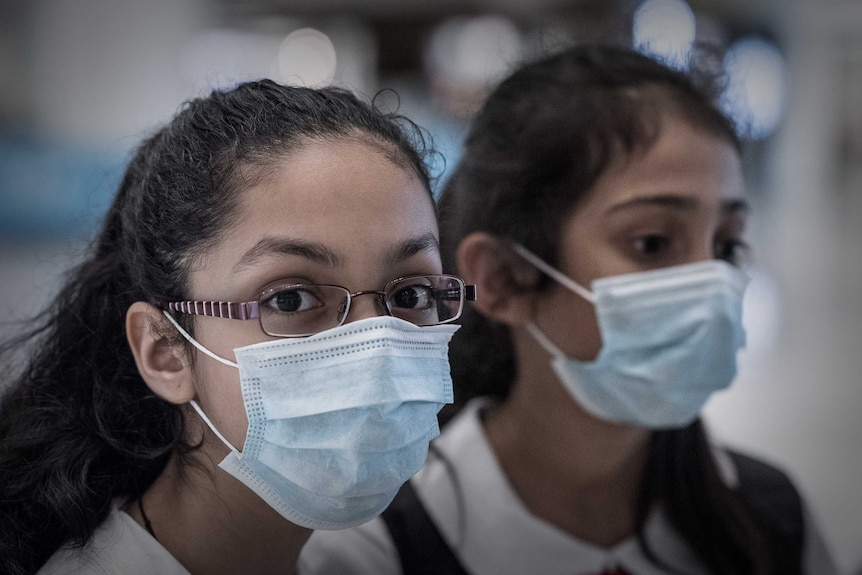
{"points": [[297, 310]]}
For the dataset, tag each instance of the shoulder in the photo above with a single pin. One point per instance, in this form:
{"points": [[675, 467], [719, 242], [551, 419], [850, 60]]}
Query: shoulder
{"points": [[767, 488], [771, 491], [119, 545], [750, 468], [366, 549]]}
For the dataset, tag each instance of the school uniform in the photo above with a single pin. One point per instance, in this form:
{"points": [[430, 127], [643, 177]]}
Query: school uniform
{"points": [[480, 519], [119, 545]]}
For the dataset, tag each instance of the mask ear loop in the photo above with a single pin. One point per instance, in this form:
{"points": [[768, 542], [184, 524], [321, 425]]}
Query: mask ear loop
{"points": [[192, 341], [194, 403], [557, 275], [213, 427], [566, 281], [543, 340]]}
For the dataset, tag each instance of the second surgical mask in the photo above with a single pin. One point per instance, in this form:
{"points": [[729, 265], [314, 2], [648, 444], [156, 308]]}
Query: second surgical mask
{"points": [[670, 338]]}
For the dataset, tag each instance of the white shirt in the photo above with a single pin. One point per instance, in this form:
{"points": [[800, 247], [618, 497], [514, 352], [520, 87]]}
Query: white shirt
{"points": [[491, 532], [119, 545]]}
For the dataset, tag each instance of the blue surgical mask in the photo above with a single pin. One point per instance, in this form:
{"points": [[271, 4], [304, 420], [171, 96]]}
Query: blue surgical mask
{"points": [[670, 338], [338, 421]]}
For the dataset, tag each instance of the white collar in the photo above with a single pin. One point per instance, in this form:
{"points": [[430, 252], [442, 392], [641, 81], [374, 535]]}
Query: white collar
{"points": [[488, 527]]}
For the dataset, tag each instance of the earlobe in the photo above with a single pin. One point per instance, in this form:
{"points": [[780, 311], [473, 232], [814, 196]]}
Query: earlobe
{"points": [[502, 279], [161, 362]]}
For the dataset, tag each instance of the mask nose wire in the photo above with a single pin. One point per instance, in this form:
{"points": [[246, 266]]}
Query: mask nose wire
{"points": [[556, 274]]}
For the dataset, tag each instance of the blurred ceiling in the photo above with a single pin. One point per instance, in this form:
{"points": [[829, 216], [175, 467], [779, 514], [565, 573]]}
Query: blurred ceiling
{"points": [[416, 8], [399, 25]]}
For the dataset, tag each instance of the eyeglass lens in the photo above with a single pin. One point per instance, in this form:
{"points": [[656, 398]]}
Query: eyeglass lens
{"points": [[295, 310]]}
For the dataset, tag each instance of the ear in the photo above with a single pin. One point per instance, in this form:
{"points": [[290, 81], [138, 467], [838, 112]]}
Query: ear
{"points": [[504, 281], [162, 362]]}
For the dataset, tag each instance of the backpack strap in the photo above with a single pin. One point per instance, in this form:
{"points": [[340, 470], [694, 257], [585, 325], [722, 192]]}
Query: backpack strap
{"points": [[423, 551], [770, 491], [420, 546]]}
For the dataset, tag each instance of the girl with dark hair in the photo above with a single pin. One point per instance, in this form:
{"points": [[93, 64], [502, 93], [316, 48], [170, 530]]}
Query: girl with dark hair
{"points": [[203, 392], [599, 209]]}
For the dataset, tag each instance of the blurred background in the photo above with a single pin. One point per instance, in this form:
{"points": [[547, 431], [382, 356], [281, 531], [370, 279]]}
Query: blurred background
{"points": [[82, 82]]}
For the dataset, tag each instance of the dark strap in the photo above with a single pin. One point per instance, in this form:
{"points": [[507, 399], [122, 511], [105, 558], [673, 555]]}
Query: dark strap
{"points": [[424, 552], [772, 493], [420, 546]]}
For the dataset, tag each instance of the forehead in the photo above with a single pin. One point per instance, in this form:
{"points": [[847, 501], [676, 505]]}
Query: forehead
{"points": [[683, 159], [347, 195], [336, 186]]}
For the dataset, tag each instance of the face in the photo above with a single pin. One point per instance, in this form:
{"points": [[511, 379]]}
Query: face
{"points": [[330, 213], [678, 202]]}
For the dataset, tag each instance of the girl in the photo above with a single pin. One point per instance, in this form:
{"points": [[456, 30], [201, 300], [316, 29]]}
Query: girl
{"points": [[256, 347], [599, 209]]}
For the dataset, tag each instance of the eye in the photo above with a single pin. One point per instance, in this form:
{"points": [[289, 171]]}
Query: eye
{"points": [[733, 251], [293, 300], [652, 244], [416, 296]]}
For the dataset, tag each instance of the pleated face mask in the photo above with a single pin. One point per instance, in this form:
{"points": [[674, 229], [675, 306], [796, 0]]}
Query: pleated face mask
{"points": [[670, 338], [338, 421]]}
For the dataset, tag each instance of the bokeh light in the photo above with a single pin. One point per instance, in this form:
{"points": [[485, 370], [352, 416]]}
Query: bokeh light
{"points": [[754, 96], [221, 58], [665, 30], [465, 56], [474, 50], [306, 57]]}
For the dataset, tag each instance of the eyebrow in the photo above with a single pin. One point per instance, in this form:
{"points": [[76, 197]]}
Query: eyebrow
{"points": [[412, 246], [270, 246], [319, 253], [734, 206]]}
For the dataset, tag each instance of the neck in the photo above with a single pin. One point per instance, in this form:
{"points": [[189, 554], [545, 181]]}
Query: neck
{"points": [[213, 524], [571, 469]]}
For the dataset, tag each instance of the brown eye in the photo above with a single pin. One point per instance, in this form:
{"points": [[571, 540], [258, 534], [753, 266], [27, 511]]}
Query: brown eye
{"points": [[652, 244], [415, 296], [292, 300], [734, 252], [287, 300]]}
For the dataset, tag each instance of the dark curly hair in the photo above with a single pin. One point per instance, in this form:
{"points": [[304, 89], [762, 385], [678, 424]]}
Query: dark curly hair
{"points": [[539, 144], [78, 426]]}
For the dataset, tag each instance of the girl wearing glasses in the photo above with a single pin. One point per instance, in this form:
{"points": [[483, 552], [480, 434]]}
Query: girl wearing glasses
{"points": [[256, 346], [599, 209]]}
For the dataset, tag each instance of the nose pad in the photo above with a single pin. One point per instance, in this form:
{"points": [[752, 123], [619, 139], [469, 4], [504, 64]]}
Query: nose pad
{"points": [[371, 305]]}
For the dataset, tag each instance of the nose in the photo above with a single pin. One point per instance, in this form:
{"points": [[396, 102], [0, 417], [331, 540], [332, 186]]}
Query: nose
{"points": [[704, 251], [365, 304]]}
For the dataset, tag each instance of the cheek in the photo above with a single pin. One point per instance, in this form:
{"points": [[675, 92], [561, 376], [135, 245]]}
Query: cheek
{"points": [[220, 397], [570, 322]]}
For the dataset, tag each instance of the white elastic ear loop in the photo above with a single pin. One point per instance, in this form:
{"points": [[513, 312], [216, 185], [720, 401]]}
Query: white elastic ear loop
{"points": [[543, 340], [192, 341], [557, 275], [212, 427], [194, 403]]}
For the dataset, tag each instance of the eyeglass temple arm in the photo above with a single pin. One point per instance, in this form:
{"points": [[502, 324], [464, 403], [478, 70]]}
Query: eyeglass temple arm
{"points": [[251, 309], [455, 293], [469, 292], [230, 310]]}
